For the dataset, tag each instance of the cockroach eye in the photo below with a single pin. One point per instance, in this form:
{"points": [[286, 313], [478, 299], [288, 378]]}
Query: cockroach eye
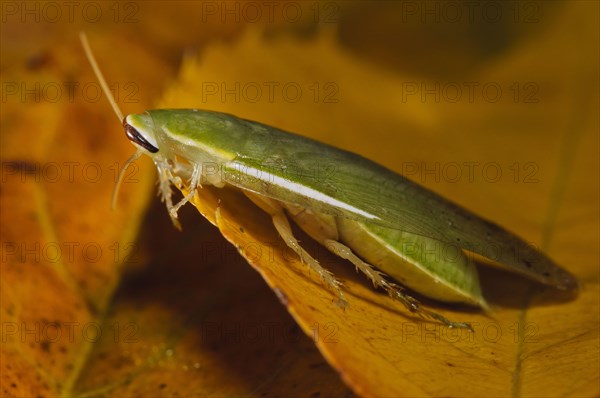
{"points": [[136, 137]]}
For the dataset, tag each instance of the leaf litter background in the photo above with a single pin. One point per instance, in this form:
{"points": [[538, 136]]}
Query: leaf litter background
{"points": [[186, 315]]}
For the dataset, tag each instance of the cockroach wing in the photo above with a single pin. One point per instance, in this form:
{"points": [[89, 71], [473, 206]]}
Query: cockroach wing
{"points": [[298, 170]]}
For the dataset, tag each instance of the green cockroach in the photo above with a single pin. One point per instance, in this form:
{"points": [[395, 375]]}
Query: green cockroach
{"points": [[378, 220]]}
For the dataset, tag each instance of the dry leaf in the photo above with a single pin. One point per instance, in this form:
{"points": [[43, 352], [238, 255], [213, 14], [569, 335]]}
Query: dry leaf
{"points": [[377, 348], [190, 317], [66, 329], [62, 247]]}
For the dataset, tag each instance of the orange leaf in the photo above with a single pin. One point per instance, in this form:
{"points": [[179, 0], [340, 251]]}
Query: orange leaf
{"points": [[184, 314]]}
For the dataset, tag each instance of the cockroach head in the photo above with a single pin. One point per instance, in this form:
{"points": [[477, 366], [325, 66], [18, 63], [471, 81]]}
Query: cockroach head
{"points": [[139, 128]]}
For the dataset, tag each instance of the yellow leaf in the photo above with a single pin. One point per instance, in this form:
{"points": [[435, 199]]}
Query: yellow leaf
{"points": [[378, 349]]}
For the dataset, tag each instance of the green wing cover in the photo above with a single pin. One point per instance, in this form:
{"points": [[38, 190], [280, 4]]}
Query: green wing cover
{"points": [[295, 169]]}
